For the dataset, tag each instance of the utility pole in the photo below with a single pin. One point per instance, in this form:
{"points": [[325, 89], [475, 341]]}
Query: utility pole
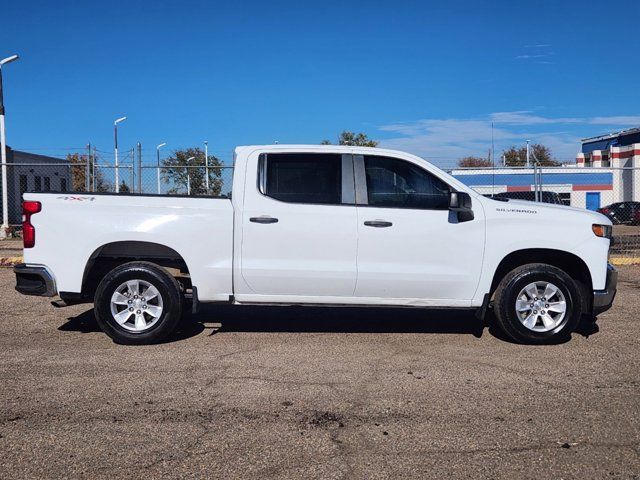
{"points": [[493, 164], [93, 170], [493, 149], [537, 177], [3, 148], [206, 163], [87, 169], [139, 167], [132, 175]]}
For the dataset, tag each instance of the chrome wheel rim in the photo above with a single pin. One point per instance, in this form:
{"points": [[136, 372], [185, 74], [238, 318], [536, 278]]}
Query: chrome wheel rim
{"points": [[541, 306], [136, 305]]}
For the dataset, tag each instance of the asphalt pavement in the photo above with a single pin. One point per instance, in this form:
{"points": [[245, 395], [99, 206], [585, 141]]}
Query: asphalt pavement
{"points": [[256, 393]]}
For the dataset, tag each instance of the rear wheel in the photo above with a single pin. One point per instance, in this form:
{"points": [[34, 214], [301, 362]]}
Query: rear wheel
{"points": [[138, 303], [538, 303]]}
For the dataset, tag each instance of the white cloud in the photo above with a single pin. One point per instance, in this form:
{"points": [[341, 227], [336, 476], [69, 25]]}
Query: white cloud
{"points": [[536, 52], [620, 120], [524, 117], [537, 55], [444, 141]]}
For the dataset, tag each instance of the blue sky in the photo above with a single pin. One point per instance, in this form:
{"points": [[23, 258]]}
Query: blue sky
{"points": [[426, 77]]}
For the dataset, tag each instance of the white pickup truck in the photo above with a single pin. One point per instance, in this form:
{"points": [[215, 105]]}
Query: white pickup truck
{"points": [[319, 225]]}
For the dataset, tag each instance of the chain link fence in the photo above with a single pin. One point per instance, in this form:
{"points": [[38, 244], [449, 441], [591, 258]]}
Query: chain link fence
{"points": [[615, 192], [66, 177], [612, 191]]}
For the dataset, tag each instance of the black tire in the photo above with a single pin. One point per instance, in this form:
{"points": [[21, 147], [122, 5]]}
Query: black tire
{"points": [[153, 274], [507, 293]]}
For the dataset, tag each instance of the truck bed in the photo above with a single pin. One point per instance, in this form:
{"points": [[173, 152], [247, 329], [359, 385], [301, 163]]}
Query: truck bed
{"points": [[71, 229]]}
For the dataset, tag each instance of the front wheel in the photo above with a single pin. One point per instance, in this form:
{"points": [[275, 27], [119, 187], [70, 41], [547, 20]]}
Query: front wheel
{"points": [[138, 303], [538, 303]]}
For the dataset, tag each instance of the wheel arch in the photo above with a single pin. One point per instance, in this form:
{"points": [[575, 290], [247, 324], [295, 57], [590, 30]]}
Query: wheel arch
{"points": [[570, 263], [112, 254]]}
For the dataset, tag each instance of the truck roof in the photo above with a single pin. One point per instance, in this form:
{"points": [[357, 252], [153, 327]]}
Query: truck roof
{"points": [[320, 148]]}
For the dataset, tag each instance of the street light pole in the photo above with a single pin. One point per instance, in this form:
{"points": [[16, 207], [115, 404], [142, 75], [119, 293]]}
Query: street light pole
{"points": [[158, 167], [206, 163], [115, 137], [189, 175], [3, 147]]}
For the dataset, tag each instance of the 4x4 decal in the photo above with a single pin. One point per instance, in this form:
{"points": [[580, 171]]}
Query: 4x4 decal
{"points": [[76, 198]]}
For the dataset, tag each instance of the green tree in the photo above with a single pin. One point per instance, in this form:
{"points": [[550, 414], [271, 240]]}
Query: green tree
{"points": [[517, 157], [124, 188], [79, 174], [474, 162], [353, 139], [182, 174]]}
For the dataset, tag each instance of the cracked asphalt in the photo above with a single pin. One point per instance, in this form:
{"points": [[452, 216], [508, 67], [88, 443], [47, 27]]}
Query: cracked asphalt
{"points": [[258, 393]]}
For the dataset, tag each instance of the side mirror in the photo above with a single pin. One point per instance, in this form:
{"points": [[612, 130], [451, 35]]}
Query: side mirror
{"points": [[460, 203]]}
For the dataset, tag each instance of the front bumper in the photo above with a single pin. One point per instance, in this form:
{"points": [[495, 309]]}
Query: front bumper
{"points": [[603, 299], [34, 280]]}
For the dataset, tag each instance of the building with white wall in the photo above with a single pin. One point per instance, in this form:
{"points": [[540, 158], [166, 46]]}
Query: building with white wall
{"points": [[579, 187], [619, 152], [607, 170]]}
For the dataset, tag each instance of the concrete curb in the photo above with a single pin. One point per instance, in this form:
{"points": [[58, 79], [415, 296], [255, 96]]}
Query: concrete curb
{"points": [[10, 261], [624, 261]]}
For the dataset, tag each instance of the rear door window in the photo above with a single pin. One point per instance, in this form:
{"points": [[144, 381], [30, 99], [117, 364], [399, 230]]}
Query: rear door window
{"points": [[304, 178]]}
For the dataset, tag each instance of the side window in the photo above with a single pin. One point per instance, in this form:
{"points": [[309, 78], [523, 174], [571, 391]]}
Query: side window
{"points": [[565, 198], [24, 184], [304, 177], [395, 183]]}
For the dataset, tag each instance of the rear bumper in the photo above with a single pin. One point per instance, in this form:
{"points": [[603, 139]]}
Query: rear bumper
{"points": [[34, 280], [603, 299]]}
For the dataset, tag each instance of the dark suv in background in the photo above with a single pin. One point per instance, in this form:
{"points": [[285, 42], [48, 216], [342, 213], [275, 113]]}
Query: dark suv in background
{"points": [[547, 197], [622, 212]]}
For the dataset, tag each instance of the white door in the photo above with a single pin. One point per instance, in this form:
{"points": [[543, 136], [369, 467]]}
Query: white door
{"points": [[299, 228], [410, 245]]}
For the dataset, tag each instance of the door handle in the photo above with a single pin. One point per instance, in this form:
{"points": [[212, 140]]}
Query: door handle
{"points": [[263, 219], [378, 223]]}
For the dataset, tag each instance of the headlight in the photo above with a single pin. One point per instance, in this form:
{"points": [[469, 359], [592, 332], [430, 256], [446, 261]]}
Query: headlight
{"points": [[603, 231]]}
